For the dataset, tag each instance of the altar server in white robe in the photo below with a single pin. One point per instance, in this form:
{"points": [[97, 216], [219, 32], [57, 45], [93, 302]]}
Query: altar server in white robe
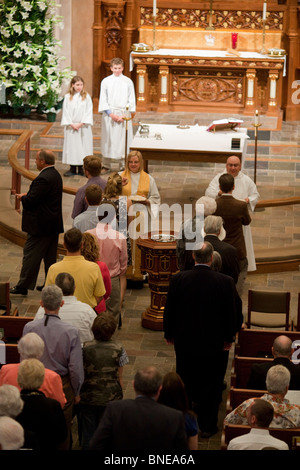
{"points": [[77, 119], [244, 189], [117, 99]]}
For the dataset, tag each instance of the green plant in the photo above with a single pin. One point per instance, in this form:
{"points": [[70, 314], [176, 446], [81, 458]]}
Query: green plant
{"points": [[30, 62]]}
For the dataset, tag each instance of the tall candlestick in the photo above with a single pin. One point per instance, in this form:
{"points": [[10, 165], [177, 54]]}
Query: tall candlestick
{"points": [[264, 11], [154, 7]]}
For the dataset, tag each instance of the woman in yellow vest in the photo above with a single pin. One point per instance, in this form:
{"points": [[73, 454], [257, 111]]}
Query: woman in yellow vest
{"points": [[136, 182], [141, 188]]}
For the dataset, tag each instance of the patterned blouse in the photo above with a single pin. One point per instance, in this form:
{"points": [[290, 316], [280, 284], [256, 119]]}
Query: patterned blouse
{"points": [[286, 415]]}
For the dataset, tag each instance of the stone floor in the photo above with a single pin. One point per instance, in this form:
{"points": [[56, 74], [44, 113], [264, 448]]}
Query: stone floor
{"points": [[278, 175]]}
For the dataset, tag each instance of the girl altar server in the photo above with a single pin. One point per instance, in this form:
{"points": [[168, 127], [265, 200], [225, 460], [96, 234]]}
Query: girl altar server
{"points": [[77, 119]]}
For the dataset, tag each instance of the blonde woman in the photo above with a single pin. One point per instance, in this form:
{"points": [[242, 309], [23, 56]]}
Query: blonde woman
{"points": [[77, 120]]}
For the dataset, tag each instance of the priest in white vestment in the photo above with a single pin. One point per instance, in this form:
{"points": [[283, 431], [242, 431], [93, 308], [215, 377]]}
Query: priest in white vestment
{"points": [[117, 99], [245, 190]]}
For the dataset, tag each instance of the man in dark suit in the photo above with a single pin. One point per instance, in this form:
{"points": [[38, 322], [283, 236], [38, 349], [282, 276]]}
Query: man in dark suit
{"points": [[235, 215], [282, 352], [141, 424], [213, 226], [202, 313], [42, 220]]}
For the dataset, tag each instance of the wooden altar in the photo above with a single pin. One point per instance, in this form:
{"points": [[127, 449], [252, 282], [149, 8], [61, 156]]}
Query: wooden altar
{"points": [[182, 24], [209, 81]]}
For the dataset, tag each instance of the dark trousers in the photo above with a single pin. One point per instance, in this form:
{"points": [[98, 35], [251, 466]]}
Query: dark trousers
{"points": [[203, 382], [35, 250], [89, 417]]}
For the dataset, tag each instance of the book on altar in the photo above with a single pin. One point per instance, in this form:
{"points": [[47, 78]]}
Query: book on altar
{"points": [[221, 124]]}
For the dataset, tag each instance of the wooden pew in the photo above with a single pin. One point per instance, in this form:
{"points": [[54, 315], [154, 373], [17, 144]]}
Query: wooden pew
{"points": [[230, 431], [11, 355], [236, 396], [13, 327], [241, 368], [258, 343]]}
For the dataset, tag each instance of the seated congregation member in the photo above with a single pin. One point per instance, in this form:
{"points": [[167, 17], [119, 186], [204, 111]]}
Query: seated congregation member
{"points": [[235, 216], [88, 219], [41, 416], [286, 414], [173, 395], [73, 311], [282, 352], [62, 352], [89, 286], [11, 434], [213, 228], [187, 234], [260, 415], [90, 251], [113, 252], [141, 424], [103, 361], [11, 403], [92, 170], [32, 346]]}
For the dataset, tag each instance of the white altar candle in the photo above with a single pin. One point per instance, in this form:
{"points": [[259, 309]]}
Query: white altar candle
{"points": [[256, 121], [154, 7], [265, 11]]}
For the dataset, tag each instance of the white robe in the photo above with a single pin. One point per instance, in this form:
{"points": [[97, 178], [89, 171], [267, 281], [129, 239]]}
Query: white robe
{"points": [[116, 94], [244, 188], [77, 144]]}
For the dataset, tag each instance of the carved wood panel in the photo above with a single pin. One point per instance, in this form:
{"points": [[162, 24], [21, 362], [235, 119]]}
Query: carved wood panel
{"points": [[222, 19], [207, 86]]}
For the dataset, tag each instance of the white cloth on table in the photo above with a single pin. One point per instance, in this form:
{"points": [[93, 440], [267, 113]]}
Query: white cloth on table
{"points": [[77, 144], [244, 188], [116, 94]]}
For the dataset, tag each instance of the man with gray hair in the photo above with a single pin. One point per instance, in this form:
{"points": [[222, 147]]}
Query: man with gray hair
{"points": [[282, 352], [286, 414], [11, 434], [213, 231], [202, 310], [191, 232], [74, 312], [62, 352], [141, 424], [32, 346]]}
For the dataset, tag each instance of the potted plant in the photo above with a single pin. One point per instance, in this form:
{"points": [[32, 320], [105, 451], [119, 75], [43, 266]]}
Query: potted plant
{"points": [[30, 67]]}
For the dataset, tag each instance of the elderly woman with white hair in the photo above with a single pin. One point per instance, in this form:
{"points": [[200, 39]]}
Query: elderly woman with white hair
{"points": [[31, 345], [11, 403], [191, 232], [11, 434]]}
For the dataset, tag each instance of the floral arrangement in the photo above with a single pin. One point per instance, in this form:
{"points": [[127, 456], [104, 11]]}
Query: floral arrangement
{"points": [[30, 67]]}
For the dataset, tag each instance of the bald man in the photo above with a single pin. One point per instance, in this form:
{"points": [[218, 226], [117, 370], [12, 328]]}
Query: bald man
{"points": [[244, 189], [282, 352]]}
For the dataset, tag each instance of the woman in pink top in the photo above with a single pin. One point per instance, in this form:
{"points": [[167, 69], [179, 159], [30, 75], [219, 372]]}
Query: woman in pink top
{"points": [[90, 251]]}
